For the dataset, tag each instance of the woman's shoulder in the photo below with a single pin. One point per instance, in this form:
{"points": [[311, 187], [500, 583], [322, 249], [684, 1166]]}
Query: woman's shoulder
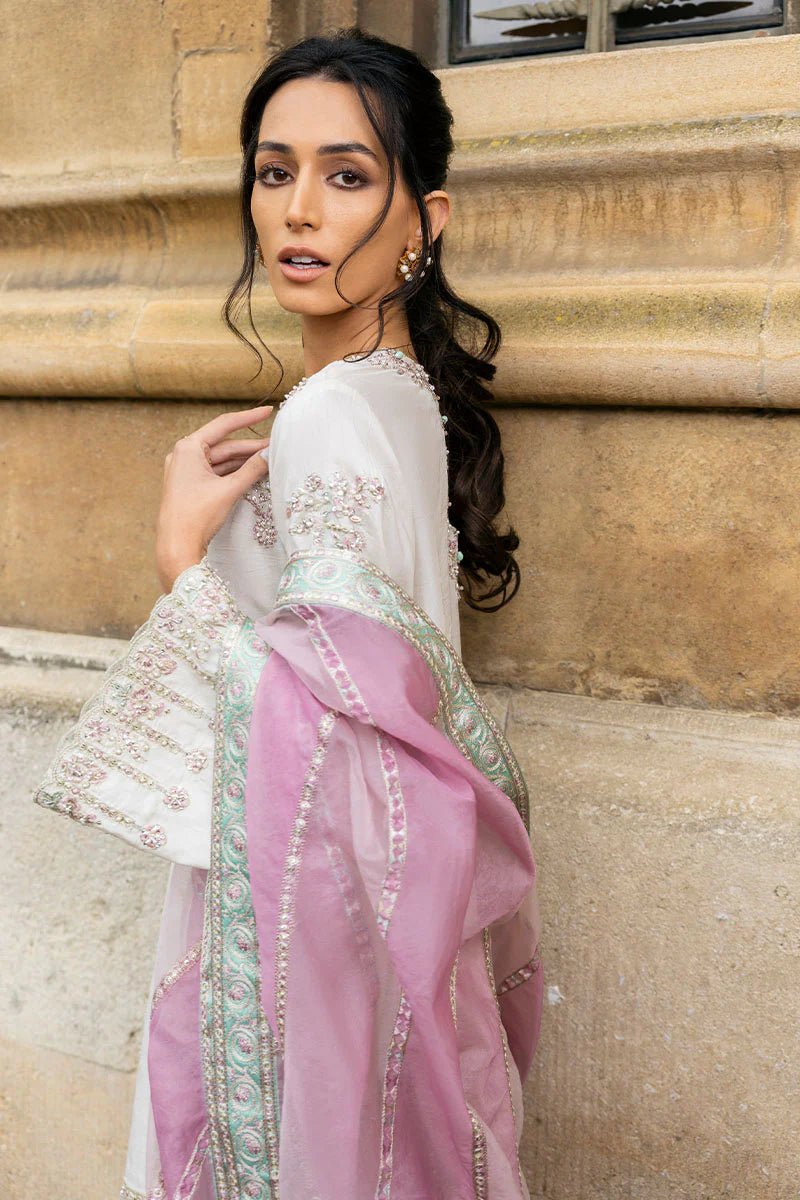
{"points": [[348, 387]]}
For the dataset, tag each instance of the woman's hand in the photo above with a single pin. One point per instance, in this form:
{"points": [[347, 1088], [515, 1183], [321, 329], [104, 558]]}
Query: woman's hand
{"points": [[204, 476]]}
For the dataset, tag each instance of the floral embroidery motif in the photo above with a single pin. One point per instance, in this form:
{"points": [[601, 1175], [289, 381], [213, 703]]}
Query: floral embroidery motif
{"points": [[401, 364], [152, 836], [115, 732], [332, 511], [196, 761], [176, 798], [260, 499]]}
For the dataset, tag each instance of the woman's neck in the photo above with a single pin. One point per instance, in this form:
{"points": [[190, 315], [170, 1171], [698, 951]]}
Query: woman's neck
{"points": [[319, 349]]}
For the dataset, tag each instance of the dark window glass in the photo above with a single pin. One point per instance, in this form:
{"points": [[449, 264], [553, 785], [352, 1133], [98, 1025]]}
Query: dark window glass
{"points": [[484, 29], [494, 29], [694, 18]]}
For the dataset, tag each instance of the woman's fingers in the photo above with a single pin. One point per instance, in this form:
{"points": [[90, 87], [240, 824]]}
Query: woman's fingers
{"points": [[253, 469], [227, 468], [219, 427], [240, 448]]}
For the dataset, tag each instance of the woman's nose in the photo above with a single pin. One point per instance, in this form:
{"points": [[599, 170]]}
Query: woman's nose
{"points": [[303, 202]]}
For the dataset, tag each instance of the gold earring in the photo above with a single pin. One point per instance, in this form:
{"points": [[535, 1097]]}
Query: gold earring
{"points": [[406, 263]]}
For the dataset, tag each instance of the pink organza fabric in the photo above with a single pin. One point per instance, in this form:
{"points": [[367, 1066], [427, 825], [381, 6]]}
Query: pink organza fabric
{"points": [[393, 889], [408, 854]]}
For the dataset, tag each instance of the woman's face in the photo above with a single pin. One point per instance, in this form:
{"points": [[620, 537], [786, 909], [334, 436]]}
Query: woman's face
{"points": [[308, 194]]}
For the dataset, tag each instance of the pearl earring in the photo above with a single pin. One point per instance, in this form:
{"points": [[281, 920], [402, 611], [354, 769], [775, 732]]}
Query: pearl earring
{"points": [[406, 263]]}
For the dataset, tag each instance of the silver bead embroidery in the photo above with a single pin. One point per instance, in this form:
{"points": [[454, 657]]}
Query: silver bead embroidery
{"points": [[454, 555], [400, 362], [260, 499], [112, 733], [331, 511], [386, 357]]}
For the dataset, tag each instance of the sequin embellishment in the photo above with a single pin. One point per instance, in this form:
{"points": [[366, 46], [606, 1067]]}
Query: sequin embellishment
{"points": [[454, 555], [332, 511], [521, 974], [259, 498], [167, 673], [384, 356]]}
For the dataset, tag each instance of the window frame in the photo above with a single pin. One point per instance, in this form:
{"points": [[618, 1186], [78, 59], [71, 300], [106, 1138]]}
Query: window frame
{"points": [[459, 54]]}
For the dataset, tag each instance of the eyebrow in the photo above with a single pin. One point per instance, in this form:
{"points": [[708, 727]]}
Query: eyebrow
{"points": [[322, 151]]}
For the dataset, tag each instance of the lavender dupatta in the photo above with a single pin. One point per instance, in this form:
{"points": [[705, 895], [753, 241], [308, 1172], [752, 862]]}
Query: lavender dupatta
{"points": [[368, 996]]}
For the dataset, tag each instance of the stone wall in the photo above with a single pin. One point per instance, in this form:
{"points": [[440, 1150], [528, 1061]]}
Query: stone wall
{"points": [[632, 228]]}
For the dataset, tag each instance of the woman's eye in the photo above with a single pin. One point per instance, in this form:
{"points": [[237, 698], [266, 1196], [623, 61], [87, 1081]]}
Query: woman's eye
{"points": [[265, 171], [353, 175]]}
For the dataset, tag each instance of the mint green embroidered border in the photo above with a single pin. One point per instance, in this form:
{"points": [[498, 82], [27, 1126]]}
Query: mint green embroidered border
{"points": [[343, 579], [240, 1067]]}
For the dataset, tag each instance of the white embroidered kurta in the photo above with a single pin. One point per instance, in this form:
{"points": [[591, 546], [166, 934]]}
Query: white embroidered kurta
{"points": [[357, 460]]}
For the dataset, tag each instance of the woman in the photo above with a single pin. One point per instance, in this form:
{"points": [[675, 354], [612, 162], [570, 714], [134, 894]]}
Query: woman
{"points": [[347, 989]]}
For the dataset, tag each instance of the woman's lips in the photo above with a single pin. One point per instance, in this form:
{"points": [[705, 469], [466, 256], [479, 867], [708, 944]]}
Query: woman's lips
{"points": [[302, 274]]}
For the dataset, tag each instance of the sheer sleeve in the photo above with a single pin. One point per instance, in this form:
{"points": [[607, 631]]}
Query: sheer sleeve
{"points": [[336, 481]]}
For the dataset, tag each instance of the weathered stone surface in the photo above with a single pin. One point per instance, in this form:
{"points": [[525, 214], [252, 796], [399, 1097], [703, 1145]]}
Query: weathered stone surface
{"points": [[658, 556], [81, 558], [667, 848], [238, 24], [638, 85], [632, 221], [64, 1125], [54, 122], [212, 86], [82, 907], [637, 265]]}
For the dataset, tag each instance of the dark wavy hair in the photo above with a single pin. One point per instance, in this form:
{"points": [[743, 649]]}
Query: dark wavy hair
{"points": [[403, 101]]}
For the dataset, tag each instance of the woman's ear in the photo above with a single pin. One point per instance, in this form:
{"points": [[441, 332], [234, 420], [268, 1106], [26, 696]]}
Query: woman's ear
{"points": [[439, 210]]}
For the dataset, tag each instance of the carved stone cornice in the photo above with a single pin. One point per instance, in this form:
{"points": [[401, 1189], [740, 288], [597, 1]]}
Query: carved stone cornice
{"points": [[651, 264]]}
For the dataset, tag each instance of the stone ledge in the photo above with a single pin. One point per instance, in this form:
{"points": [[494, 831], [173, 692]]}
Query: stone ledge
{"points": [[42, 648], [658, 83], [652, 264], [49, 676], [695, 344]]}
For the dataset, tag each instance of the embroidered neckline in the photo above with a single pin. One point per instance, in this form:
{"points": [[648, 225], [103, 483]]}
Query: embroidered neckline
{"points": [[398, 360]]}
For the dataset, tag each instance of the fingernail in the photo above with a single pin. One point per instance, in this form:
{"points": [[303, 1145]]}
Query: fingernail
{"points": [[265, 454]]}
